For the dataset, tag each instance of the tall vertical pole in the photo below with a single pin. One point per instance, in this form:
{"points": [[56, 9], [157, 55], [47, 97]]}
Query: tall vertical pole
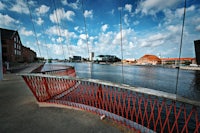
{"points": [[180, 48], [122, 56], [1, 61]]}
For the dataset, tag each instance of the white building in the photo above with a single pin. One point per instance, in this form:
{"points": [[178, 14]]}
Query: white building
{"points": [[91, 56]]}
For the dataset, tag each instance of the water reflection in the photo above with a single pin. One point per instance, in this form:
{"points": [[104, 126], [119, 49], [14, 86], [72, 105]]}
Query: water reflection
{"points": [[196, 81]]}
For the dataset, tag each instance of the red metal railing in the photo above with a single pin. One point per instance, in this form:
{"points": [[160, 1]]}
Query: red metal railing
{"points": [[141, 109], [63, 72]]}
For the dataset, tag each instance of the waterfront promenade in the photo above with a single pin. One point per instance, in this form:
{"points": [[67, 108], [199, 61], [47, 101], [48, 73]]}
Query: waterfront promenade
{"points": [[20, 113]]}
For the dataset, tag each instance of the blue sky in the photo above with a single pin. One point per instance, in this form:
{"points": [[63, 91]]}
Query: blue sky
{"points": [[148, 26]]}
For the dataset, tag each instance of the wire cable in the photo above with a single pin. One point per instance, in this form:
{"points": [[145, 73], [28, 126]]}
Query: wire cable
{"points": [[34, 28], [59, 31], [121, 43], [180, 48], [42, 25], [85, 27]]}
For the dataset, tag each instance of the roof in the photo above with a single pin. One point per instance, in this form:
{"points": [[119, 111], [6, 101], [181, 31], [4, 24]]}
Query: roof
{"points": [[7, 34], [150, 58]]}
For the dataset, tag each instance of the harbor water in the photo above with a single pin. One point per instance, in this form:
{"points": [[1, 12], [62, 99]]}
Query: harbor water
{"points": [[152, 77]]}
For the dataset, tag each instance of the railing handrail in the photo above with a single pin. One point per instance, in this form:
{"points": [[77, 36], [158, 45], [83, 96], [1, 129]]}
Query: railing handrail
{"points": [[53, 70], [56, 69], [142, 90]]}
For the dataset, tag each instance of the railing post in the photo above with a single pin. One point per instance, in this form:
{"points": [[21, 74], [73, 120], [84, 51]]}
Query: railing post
{"points": [[99, 96], [31, 88], [46, 87]]}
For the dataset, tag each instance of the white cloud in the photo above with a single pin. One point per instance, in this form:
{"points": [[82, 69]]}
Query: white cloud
{"points": [[42, 10], [82, 36], [7, 20], [179, 12], [2, 6], [153, 40], [191, 8], [172, 17], [104, 27], [88, 14], [59, 39], [74, 5], [76, 28], [53, 39], [198, 28], [69, 15], [57, 49], [60, 14], [39, 21], [174, 28], [128, 7], [126, 21], [54, 30], [136, 22], [20, 7], [25, 32], [109, 42], [101, 44], [154, 6]]}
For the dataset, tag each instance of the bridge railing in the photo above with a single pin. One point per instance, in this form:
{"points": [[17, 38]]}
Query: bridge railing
{"points": [[60, 70], [138, 108]]}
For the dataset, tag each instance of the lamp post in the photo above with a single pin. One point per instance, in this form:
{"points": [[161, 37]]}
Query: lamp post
{"points": [[1, 61]]}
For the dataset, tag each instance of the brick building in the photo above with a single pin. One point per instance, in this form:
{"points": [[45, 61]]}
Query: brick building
{"points": [[12, 48], [28, 54], [175, 61]]}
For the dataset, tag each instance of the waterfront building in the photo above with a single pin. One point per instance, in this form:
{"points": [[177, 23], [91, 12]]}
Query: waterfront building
{"points": [[76, 59], [175, 61], [91, 56], [107, 58], [12, 49], [28, 54], [197, 51], [129, 61], [149, 60]]}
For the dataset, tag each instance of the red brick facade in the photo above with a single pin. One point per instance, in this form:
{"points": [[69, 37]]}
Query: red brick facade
{"points": [[12, 48], [28, 54]]}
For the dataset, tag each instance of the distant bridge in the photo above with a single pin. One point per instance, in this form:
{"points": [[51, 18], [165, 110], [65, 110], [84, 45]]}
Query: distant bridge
{"points": [[141, 109]]}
